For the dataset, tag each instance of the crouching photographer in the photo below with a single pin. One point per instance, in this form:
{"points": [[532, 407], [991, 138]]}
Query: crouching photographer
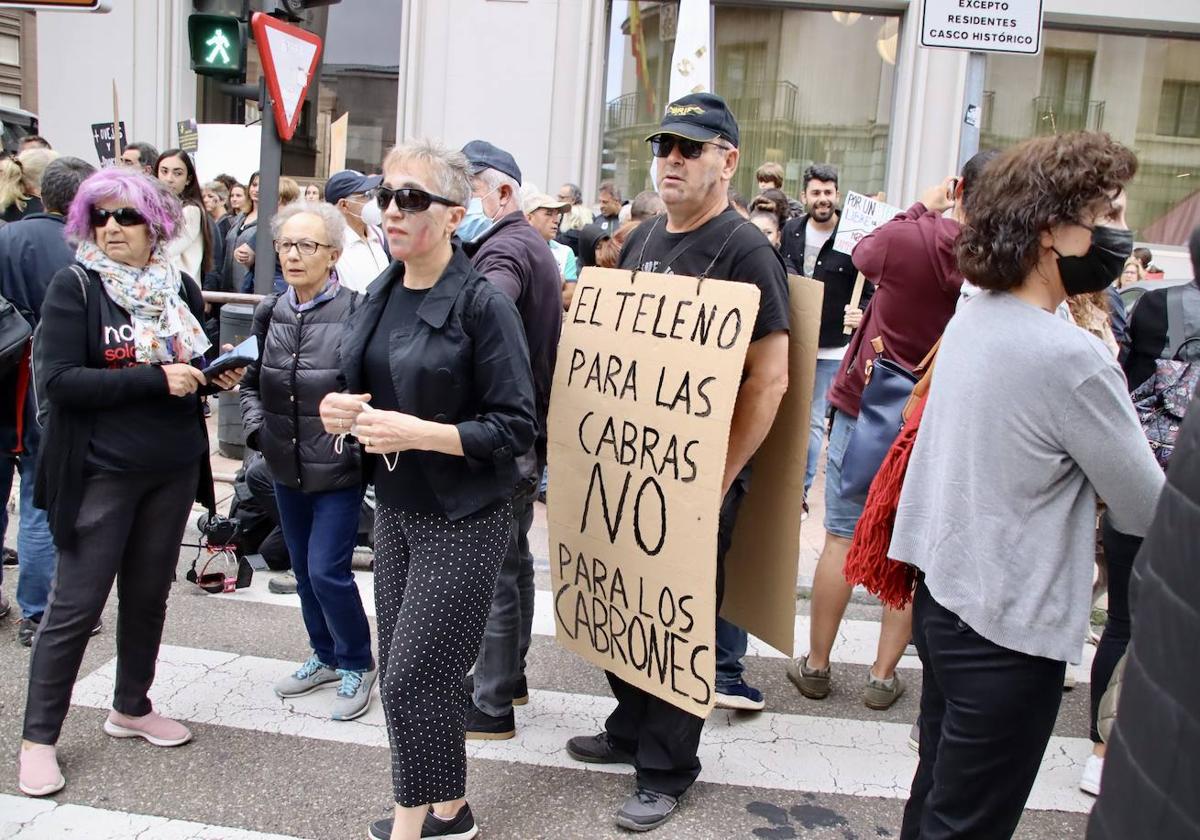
{"points": [[318, 482]]}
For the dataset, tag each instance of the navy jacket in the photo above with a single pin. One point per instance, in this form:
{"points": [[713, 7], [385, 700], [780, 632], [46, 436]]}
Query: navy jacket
{"points": [[465, 362], [32, 250], [517, 260]]}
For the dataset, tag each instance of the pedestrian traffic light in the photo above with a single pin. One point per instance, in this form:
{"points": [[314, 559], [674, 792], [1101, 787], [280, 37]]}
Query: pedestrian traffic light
{"points": [[218, 45]]}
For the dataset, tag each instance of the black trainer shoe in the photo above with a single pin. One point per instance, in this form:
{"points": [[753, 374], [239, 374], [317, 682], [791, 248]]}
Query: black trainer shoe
{"points": [[484, 727], [4, 606], [26, 627], [646, 810], [462, 827], [10, 557], [597, 749]]}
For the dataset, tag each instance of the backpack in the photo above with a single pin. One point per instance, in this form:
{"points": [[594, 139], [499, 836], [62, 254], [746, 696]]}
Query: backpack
{"points": [[15, 333], [1162, 400]]}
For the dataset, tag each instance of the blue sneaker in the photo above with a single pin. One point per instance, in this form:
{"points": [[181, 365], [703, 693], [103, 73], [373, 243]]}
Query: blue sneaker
{"points": [[741, 697]]}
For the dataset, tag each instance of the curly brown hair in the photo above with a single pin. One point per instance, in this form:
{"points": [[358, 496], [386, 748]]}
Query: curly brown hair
{"points": [[1030, 188]]}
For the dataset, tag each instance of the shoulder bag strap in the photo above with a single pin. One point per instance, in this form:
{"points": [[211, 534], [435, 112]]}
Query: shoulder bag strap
{"points": [[1175, 322]]}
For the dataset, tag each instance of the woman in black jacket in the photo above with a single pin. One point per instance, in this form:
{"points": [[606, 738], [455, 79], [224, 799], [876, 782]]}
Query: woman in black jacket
{"points": [[439, 386], [125, 454], [318, 484]]}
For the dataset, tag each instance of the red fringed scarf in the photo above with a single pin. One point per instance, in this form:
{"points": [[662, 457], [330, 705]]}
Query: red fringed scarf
{"points": [[868, 562]]}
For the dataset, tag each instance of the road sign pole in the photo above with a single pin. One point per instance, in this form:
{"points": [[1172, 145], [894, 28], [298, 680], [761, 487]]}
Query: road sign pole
{"points": [[269, 167], [972, 112]]}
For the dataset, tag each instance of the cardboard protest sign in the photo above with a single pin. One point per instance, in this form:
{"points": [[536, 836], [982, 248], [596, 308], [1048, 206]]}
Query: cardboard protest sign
{"points": [[648, 371], [102, 137], [762, 563], [860, 215]]}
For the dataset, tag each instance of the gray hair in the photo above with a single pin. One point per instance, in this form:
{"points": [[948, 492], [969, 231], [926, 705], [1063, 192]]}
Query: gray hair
{"points": [[448, 167], [646, 204], [576, 193], [330, 216], [219, 190], [61, 181], [496, 179]]}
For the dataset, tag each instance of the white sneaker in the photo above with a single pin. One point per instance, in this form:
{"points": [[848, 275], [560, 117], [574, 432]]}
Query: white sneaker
{"points": [[1089, 782]]}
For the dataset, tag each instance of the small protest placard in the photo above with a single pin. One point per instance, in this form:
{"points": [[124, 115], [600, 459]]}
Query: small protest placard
{"points": [[860, 215], [647, 376], [102, 137], [189, 135]]}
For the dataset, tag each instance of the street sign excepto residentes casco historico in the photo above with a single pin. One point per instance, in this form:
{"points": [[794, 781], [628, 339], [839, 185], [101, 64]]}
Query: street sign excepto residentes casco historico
{"points": [[1006, 26]]}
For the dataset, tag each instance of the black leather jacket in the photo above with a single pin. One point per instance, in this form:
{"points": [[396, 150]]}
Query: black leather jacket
{"points": [[281, 395], [833, 269], [465, 362]]}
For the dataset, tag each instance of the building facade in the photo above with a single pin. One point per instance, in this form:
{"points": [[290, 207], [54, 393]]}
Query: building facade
{"points": [[572, 87]]}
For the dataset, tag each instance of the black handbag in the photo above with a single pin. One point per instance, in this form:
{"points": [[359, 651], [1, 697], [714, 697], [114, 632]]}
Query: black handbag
{"points": [[15, 333], [880, 418]]}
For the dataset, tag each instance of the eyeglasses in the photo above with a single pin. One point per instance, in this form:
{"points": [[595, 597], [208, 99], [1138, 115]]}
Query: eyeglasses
{"points": [[409, 199], [306, 247], [661, 146], [125, 216]]}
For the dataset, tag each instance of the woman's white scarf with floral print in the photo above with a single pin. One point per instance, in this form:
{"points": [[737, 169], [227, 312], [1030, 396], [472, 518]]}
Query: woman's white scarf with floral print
{"points": [[164, 328]]}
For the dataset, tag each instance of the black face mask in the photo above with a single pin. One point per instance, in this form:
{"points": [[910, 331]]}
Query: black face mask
{"points": [[1100, 266]]}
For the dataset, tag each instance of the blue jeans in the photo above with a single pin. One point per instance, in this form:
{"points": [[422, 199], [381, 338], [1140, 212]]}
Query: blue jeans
{"points": [[731, 647], [35, 545], [841, 515], [826, 372], [319, 529]]}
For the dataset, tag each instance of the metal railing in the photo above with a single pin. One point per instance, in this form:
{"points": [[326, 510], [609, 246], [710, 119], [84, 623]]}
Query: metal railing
{"points": [[1055, 115]]}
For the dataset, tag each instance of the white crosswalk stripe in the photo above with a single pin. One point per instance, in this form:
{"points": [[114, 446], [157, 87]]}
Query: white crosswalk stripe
{"points": [[855, 645], [22, 818], [784, 751]]}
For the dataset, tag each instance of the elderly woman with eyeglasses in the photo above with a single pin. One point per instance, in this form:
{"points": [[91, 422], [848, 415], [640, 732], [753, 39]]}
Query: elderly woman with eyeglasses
{"points": [[125, 454], [441, 394], [318, 483]]}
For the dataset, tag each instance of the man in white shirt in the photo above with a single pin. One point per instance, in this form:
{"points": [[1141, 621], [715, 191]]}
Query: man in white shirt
{"points": [[364, 251], [545, 214]]}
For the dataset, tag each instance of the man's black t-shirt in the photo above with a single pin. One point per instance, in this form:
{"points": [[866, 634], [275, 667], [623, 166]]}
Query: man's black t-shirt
{"points": [[747, 257], [162, 435], [404, 488]]}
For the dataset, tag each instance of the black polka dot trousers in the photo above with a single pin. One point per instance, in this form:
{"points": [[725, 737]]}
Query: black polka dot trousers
{"points": [[434, 580]]}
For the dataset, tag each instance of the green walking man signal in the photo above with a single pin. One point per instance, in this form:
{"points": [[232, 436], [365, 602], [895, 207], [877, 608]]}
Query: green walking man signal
{"points": [[218, 45]]}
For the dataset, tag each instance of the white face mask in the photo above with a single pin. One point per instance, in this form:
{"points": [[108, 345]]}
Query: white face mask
{"points": [[372, 216]]}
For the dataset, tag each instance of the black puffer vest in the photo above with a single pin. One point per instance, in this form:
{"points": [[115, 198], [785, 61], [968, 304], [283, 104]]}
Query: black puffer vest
{"points": [[299, 364]]}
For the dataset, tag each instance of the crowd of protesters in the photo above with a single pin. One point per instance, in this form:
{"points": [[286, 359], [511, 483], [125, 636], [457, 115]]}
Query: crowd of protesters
{"points": [[408, 346]]}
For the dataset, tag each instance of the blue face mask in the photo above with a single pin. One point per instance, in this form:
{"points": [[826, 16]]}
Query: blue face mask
{"points": [[475, 223]]}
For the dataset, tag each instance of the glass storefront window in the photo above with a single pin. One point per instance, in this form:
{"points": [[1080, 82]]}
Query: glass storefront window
{"points": [[1143, 91], [786, 76]]}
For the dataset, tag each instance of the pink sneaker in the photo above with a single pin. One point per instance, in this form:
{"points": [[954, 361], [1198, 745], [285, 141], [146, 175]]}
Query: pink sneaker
{"points": [[40, 775], [158, 730]]}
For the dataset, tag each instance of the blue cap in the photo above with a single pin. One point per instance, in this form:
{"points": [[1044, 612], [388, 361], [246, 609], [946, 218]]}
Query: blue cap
{"points": [[483, 155], [349, 182]]}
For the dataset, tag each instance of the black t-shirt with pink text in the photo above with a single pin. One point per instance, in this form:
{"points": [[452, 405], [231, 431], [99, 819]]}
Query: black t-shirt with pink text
{"points": [[158, 434]]}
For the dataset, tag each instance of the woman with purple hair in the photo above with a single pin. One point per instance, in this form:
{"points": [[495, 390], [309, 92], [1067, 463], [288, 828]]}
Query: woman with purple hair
{"points": [[124, 456]]}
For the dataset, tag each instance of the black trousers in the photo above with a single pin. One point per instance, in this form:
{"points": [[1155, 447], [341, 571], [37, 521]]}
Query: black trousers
{"points": [[434, 580], [663, 738], [129, 529], [1120, 550], [986, 716]]}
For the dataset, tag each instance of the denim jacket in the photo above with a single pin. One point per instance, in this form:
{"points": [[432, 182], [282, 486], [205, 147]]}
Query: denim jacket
{"points": [[465, 362]]}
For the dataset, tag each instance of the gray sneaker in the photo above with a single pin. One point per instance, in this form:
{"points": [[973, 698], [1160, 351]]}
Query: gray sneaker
{"points": [[813, 683], [354, 694], [881, 694], [283, 583], [310, 676], [646, 810]]}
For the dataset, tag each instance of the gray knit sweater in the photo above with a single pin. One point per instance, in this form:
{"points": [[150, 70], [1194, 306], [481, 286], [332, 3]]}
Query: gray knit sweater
{"points": [[1028, 419]]}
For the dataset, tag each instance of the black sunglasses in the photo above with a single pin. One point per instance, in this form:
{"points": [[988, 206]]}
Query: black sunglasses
{"points": [[125, 216], [661, 146], [409, 199]]}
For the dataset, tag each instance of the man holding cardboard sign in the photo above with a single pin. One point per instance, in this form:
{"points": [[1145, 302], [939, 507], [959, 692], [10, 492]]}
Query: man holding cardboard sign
{"points": [[700, 237]]}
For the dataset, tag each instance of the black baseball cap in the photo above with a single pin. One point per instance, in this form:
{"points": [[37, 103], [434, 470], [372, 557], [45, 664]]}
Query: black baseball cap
{"points": [[702, 117], [483, 155]]}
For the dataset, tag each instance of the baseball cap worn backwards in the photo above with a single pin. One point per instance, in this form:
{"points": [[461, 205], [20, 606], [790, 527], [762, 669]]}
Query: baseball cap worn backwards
{"points": [[483, 155], [702, 117]]}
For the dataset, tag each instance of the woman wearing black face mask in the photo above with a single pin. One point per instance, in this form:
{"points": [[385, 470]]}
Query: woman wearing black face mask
{"points": [[1027, 421]]}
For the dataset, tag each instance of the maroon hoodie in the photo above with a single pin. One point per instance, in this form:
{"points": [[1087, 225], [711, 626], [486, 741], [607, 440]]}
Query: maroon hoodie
{"points": [[917, 284]]}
